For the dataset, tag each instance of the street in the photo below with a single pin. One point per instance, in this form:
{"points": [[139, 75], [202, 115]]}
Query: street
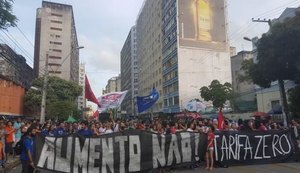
{"points": [[269, 168]]}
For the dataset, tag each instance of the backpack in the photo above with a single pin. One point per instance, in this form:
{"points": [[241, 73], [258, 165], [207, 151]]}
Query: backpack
{"points": [[19, 146]]}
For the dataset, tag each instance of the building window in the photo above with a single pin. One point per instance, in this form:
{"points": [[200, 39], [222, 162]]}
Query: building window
{"points": [[176, 100], [171, 101], [56, 29], [275, 104], [55, 72], [56, 50], [56, 21], [165, 102], [54, 42], [54, 57], [55, 14], [54, 64]]}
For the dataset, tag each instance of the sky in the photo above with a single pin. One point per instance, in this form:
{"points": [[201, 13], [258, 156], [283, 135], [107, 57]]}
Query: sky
{"points": [[103, 25]]}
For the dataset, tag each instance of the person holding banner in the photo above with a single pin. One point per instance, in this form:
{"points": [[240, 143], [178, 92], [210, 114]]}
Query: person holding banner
{"points": [[27, 154], [210, 148]]}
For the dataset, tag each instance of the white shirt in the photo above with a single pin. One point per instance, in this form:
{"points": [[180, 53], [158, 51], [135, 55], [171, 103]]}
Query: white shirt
{"points": [[102, 130], [108, 131]]}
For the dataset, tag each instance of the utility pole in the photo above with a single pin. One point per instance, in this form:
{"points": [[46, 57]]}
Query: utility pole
{"points": [[45, 84], [282, 92]]}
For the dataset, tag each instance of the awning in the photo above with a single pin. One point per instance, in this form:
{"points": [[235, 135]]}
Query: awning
{"points": [[260, 114], [193, 115]]}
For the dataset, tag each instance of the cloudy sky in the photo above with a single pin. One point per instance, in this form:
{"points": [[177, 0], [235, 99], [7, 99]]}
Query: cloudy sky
{"points": [[102, 27]]}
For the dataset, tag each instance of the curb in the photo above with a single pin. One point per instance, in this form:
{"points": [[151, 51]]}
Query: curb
{"points": [[10, 166]]}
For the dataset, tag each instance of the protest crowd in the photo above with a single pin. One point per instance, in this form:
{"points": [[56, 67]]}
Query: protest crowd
{"points": [[22, 132]]}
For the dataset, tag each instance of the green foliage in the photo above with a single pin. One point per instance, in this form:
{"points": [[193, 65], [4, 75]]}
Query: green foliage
{"points": [[294, 100], [61, 97], [217, 93], [278, 54], [7, 19]]}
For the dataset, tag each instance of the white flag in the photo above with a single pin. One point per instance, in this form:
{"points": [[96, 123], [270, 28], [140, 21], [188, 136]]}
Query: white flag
{"points": [[111, 100], [195, 106]]}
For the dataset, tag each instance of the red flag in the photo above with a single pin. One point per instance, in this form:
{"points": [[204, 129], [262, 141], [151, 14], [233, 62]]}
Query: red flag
{"points": [[96, 115], [89, 94], [221, 123]]}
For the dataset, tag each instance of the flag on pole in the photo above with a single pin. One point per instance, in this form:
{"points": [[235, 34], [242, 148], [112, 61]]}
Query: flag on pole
{"points": [[89, 94], [96, 115], [146, 102], [111, 100], [221, 124]]}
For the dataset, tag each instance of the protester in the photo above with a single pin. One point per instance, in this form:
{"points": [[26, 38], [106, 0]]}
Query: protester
{"points": [[60, 131], [262, 127], [161, 126], [2, 136], [85, 131], [191, 127], [101, 128], [17, 126], [173, 128], [27, 154], [296, 126], [210, 148], [9, 140], [2, 153]]}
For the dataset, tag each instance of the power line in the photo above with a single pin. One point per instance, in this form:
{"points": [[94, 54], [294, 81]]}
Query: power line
{"points": [[237, 34], [25, 37], [19, 46]]}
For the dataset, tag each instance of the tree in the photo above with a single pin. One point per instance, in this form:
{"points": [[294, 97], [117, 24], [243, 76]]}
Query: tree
{"points": [[217, 93], [278, 56], [61, 98], [7, 18]]}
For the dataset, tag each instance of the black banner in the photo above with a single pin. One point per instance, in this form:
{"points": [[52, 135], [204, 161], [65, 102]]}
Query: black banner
{"points": [[235, 148], [136, 151], [131, 151]]}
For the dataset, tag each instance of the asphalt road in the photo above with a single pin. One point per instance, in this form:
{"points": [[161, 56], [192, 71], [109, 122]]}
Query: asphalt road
{"points": [[270, 168]]}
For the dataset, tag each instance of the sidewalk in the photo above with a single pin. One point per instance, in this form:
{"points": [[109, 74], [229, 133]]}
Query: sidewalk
{"points": [[8, 166]]}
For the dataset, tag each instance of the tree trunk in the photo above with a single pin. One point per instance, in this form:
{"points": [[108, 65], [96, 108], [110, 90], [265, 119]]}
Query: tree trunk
{"points": [[285, 109]]}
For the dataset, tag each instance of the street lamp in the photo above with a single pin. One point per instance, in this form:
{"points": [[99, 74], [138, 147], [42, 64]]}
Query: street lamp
{"points": [[45, 84], [247, 38]]}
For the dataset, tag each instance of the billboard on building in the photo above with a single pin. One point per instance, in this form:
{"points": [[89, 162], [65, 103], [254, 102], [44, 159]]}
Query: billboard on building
{"points": [[202, 24]]}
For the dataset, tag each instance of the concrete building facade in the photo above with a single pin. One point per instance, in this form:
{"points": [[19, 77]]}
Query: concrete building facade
{"points": [[129, 73], [56, 38], [149, 51], [14, 67], [181, 46], [81, 98], [195, 49], [113, 85], [245, 96]]}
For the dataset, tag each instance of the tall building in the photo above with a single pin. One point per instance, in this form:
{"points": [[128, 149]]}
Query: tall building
{"points": [[81, 98], [113, 85], [149, 50], [245, 96], [56, 38], [15, 77], [129, 73], [181, 46]]}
